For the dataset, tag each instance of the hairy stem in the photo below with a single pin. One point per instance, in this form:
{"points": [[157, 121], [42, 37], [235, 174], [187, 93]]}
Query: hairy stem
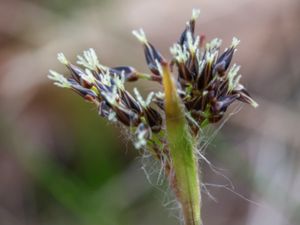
{"points": [[185, 179]]}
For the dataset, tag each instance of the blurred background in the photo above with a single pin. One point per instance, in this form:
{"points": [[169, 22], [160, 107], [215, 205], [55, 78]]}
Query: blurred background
{"points": [[60, 163]]}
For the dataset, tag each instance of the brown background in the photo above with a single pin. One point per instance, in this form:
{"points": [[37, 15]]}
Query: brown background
{"points": [[62, 164]]}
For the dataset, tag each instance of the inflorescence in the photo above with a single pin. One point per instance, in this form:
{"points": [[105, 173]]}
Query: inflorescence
{"points": [[206, 84]]}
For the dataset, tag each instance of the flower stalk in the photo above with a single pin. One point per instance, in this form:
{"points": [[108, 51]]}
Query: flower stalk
{"points": [[185, 181]]}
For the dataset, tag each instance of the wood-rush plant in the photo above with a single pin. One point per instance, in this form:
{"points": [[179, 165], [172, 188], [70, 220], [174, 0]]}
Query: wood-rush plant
{"points": [[167, 124]]}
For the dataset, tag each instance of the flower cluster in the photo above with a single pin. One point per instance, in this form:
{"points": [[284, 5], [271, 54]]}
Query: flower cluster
{"points": [[104, 87], [206, 84]]}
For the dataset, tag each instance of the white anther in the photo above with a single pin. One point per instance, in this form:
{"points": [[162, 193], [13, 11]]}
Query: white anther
{"points": [[61, 58], [235, 42], [59, 79], [89, 59], [195, 14], [140, 35]]}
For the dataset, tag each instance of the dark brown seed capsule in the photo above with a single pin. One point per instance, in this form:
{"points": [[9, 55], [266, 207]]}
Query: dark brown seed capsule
{"points": [[153, 118], [104, 109], [222, 103], [130, 102], [78, 75], [152, 56], [183, 38], [128, 118], [128, 72], [226, 58], [88, 94]]}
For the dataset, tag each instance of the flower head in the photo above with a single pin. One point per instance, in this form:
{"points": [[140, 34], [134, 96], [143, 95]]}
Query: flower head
{"points": [[206, 83], [167, 123]]}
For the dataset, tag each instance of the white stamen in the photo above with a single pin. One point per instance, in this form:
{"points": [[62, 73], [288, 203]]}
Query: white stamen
{"points": [[61, 58], [235, 42], [195, 14], [119, 80], [180, 54], [59, 79], [192, 45], [254, 103], [140, 99], [105, 78], [233, 77], [140, 35], [149, 98], [89, 59], [112, 96], [209, 57], [88, 76], [139, 96], [160, 95], [215, 43]]}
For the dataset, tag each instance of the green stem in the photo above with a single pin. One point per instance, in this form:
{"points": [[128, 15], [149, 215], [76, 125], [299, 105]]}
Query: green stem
{"points": [[185, 180]]}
